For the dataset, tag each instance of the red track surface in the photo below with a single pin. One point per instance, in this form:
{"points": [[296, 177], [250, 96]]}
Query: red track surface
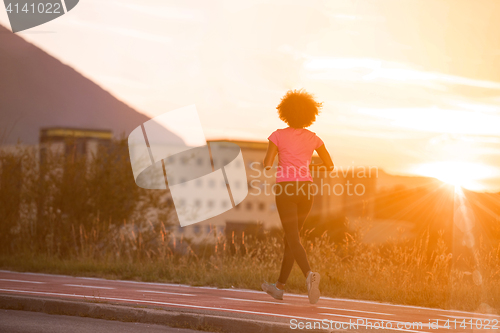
{"points": [[246, 303]]}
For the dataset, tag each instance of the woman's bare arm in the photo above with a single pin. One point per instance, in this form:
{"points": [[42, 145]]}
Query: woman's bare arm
{"points": [[272, 151], [325, 157]]}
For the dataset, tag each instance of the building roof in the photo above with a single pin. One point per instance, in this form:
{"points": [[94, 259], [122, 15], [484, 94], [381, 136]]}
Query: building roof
{"points": [[57, 132], [258, 145]]}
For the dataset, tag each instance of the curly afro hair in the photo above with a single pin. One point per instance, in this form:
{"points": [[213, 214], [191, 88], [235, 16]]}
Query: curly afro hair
{"points": [[298, 108]]}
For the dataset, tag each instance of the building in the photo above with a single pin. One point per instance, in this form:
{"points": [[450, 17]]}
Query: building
{"points": [[72, 141]]}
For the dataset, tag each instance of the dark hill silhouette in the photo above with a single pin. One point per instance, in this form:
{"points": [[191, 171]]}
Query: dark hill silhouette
{"points": [[37, 90]]}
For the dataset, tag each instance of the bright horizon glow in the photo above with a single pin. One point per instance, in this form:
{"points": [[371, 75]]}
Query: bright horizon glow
{"points": [[459, 174]]}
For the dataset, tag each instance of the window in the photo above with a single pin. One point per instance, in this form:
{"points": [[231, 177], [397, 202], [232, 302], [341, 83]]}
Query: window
{"points": [[197, 203], [249, 206], [210, 204], [262, 206], [199, 161], [199, 182]]}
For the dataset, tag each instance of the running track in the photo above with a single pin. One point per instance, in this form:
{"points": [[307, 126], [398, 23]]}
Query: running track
{"points": [[246, 303]]}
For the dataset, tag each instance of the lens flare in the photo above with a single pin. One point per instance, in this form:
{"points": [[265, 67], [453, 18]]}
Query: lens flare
{"points": [[460, 174]]}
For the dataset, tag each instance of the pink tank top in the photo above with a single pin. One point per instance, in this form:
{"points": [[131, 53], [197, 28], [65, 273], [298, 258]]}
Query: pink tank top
{"points": [[295, 149]]}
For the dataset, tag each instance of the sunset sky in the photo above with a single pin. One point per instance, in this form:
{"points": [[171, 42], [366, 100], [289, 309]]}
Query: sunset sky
{"points": [[412, 87]]}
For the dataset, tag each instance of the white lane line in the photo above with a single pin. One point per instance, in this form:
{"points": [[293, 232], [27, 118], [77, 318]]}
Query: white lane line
{"points": [[373, 320], [376, 313], [163, 292], [400, 306], [194, 306], [245, 291], [252, 300], [378, 319], [356, 317], [82, 286], [139, 282], [24, 281], [474, 318], [301, 296]]}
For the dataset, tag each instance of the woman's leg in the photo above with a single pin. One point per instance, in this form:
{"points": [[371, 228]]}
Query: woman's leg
{"points": [[286, 264], [292, 215], [303, 210]]}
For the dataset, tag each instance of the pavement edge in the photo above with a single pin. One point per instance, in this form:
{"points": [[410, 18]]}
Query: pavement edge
{"points": [[142, 314]]}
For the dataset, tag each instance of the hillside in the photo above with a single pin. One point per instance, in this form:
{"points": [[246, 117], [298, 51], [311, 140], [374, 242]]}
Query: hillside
{"points": [[37, 90]]}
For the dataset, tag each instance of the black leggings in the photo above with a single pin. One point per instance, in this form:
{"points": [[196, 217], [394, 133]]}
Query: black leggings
{"points": [[294, 203]]}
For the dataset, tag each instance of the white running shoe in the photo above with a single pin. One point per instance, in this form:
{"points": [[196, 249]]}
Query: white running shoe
{"points": [[312, 282], [272, 290]]}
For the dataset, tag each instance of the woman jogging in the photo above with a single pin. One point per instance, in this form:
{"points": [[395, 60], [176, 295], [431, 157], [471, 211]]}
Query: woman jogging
{"points": [[294, 146]]}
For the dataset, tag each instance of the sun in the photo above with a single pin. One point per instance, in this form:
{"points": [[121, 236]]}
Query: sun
{"points": [[459, 174]]}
